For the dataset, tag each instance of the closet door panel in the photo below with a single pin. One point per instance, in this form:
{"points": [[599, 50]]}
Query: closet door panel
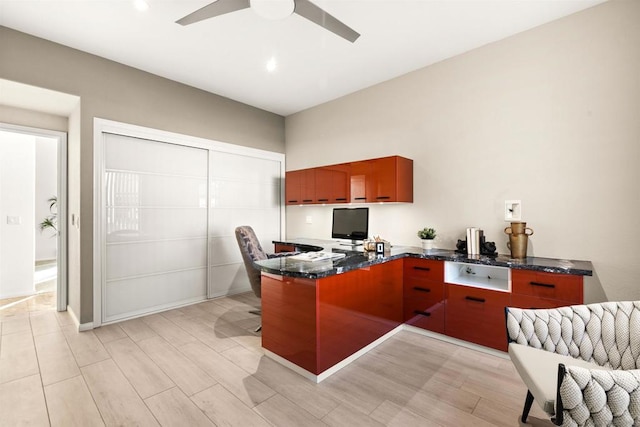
{"points": [[159, 292], [244, 190], [155, 226], [156, 257]]}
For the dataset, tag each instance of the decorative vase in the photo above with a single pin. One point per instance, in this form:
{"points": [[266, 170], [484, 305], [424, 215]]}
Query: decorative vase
{"points": [[427, 244]]}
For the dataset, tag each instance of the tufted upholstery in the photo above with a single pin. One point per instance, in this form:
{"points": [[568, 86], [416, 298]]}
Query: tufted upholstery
{"points": [[607, 335], [599, 397]]}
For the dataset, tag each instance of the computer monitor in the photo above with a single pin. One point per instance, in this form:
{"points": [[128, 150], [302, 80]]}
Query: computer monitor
{"points": [[350, 223]]}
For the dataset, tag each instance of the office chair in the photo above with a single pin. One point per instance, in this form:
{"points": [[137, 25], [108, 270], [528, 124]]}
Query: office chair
{"points": [[252, 251]]}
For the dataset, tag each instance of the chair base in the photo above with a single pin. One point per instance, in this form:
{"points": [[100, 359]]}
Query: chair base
{"points": [[527, 407], [258, 313]]}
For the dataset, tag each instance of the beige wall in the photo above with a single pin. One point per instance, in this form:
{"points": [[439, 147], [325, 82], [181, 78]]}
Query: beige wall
{"points": [[549, 116], [113, 91]]}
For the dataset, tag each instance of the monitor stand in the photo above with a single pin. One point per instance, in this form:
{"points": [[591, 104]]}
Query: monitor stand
{"points": [[353, 243]]}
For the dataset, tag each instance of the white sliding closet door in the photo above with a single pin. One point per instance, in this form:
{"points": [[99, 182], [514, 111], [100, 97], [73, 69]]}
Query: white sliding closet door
{"points": [[155, 226], [245, 190]]}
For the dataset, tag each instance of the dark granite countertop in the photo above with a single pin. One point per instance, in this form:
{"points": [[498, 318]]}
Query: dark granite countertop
{"points": [[357, 258]]}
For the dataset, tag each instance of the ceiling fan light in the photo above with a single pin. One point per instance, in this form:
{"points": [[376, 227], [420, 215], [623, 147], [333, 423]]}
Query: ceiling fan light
{"points": [[273, 9]]}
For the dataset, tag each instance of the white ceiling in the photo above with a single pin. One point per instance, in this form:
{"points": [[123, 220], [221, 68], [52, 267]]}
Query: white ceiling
{"points": [[227, 55]]}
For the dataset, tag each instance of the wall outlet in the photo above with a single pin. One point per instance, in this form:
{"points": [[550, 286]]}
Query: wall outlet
{"points": [[512, 210], [309, 219]]}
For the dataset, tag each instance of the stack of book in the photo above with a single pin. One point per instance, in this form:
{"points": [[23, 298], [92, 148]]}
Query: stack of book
{"points": [[474, 239]]}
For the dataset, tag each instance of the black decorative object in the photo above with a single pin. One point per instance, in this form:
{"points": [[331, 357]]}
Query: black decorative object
{"points": [[486, 248]]}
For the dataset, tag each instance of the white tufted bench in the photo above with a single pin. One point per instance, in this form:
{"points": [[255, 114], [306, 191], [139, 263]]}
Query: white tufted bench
{"points": [[580, 363]]}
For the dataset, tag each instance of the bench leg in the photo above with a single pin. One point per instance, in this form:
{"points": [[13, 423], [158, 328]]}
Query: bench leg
{"points": [[527, 406]]}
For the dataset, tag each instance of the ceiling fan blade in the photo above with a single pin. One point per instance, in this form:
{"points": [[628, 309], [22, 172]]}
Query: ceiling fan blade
{"points": [[317, 15], [217, 8]]}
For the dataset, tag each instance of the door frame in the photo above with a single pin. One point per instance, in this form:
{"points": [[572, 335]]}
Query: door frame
{"points": [[61, 285], [104, 126]]}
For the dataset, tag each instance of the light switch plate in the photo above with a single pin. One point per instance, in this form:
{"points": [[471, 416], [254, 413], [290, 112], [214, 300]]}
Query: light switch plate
{"points": [[14, 220]]}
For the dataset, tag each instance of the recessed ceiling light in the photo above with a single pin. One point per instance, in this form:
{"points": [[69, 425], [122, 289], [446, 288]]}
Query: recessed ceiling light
{"points": [[141, 5], [272, 64]]}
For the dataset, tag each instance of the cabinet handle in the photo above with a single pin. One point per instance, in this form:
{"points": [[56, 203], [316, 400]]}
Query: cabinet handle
{"points": [[292, 201], [415, 267], [323, 200], [476, 299], [543, 285], [383, 197], [307, 201], [359, 198], [341, 199], [424, 313], [418, 288]]}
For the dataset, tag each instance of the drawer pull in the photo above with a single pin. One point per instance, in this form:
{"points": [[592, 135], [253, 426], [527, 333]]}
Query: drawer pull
{"points": [[476, 299], [292, 201], [323, 200], [418, 288], [424, 313], [383, 197], [341, 199], [359, 198], [307, 201], [421, 268], [543, 285]]}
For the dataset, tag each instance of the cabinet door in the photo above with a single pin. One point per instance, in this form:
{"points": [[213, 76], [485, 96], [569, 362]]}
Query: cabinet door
{"points": [[476, 315], [308, 186], [332, 184], [527, 301], [292, 185], [340, 178], [390, 180], [358, 181], [560, 287]]}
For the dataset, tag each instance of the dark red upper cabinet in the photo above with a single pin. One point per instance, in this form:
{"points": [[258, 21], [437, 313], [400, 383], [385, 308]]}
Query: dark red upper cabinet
{"points": [[387, 179]]}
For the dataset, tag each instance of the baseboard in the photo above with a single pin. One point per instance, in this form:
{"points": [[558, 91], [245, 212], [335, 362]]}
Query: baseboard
{"points": [[81, 327], [456, 341], [335, 368]]}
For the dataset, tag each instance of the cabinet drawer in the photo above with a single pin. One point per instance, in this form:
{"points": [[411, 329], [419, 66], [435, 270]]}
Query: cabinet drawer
{"points": [[561, 287], [424, 314], [527, 301], [427, 290], [417, 269], [477, 315], [281, 247]]}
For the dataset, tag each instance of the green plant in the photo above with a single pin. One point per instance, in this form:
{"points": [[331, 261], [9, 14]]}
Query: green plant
{"points": [[427, 233], [51, 221]]}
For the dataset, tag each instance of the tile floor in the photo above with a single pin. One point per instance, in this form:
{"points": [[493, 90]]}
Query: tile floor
{"points": [[203, 365]]}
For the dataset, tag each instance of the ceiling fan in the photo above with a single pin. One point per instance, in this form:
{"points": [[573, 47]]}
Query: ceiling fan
{"points": [[274, 9]]}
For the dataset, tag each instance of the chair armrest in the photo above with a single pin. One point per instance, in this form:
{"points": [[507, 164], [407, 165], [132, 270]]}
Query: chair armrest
{"points": [[597, 397]]}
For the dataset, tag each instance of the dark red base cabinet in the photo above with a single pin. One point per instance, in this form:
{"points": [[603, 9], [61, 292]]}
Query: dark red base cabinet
{"points": [[477, 315], [316, 323], [424, 294]]}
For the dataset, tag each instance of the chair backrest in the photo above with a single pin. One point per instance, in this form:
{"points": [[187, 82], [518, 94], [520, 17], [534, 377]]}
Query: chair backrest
{"points": [[251, 251], [607, 334]]}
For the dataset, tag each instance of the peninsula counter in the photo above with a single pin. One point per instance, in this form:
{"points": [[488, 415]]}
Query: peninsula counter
{"points": [[318, 316]]}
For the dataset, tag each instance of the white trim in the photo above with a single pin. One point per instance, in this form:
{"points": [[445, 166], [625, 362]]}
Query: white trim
{"points": [[62, 190], [456, 341], [102, 127], [335, 368], [80, 327]]}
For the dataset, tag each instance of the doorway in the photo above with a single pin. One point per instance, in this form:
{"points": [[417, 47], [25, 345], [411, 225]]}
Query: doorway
{"points": [[33, 231]]}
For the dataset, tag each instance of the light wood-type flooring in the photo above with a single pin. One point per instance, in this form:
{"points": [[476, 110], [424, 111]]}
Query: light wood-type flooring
{"points": [[203, 365]]}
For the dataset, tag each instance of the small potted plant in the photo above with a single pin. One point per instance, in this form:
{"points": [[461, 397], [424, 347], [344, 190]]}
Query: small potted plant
{"points": [[427, 235]]}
